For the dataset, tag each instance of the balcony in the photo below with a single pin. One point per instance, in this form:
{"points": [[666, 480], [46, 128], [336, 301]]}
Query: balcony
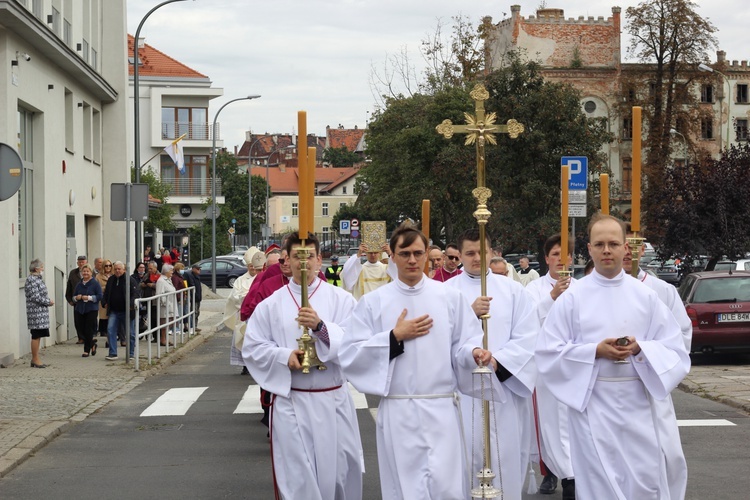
{"points": [[194, 131], [191, 187]]}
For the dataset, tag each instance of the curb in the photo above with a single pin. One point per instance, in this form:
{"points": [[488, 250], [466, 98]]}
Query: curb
{"points": [[694, 388]]}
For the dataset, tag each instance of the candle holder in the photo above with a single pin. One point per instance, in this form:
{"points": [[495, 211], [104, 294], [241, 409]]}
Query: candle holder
{"points": [[635, 243], [306, 342], [565, 273]]}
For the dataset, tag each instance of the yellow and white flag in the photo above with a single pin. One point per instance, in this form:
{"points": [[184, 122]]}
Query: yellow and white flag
{"points": [[174, 150]]}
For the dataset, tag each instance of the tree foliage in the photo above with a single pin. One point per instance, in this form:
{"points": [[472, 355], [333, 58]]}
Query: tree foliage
{"points": [[672, 39], [708, 203], [158, 217], [340, 157], [411, 162], [234, 188]]}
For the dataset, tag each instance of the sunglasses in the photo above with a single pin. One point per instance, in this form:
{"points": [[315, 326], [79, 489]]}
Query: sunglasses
{"points": [[107, 265], [453, 257]]}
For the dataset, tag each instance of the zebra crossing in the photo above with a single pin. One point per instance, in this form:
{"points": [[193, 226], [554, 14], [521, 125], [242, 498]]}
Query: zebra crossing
{"points": [[178, 401]]}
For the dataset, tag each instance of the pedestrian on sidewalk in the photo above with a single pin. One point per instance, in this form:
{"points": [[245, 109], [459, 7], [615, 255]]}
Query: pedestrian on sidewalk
{"points": [[167, 303], [102, 277], [118, 310], [86, 297], [37, 309]]}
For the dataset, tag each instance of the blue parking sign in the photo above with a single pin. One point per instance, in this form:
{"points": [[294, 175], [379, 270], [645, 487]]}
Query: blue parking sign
{"points": [[578, 172]]}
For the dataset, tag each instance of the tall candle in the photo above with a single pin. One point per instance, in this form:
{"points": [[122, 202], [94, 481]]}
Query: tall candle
{"points": [[311, 188], [564, 217], [604, 190], [304, 228], [426, 228], [635, 205]]}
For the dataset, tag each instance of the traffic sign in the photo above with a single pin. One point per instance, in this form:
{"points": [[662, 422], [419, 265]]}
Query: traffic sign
{"points": [[355, 224], [577, 197], [230, 230], [234, 221], [576, 210], [355, 233], [578, 172], [344, 227]]}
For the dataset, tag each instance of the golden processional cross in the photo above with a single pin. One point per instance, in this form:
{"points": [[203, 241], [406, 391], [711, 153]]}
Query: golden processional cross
{"points": [[481, 129]]}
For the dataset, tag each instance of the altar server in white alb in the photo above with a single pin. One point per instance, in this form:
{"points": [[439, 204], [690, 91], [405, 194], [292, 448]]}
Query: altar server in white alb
{"points": [[401, 345], [512, 330], [552, 422], [316, 447], [671, 446], [607, 318]]}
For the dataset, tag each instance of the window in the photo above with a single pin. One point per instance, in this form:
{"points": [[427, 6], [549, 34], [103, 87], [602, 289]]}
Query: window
{"points": [[36, 8], [627, 129], [56, 21], [741, 127], [324, 206], [178, 121], [26, 193], [69, 122], [195, 180], [93, 58], [589, 106], [295, 209], [742, 93], [87, 154], [96, 126], [67, 30], [343, 189], [70, 225], [85, 50], [707, 93], [325, 229], [342, 204], [627, 175], [707, 128]]}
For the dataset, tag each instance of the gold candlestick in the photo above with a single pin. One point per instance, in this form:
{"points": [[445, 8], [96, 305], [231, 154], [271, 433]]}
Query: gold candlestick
{"points": [[635, 243], [306, 342]]}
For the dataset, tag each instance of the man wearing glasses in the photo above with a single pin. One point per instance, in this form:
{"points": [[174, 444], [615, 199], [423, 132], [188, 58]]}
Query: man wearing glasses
{"points": [[401, 344], [449, 269]]}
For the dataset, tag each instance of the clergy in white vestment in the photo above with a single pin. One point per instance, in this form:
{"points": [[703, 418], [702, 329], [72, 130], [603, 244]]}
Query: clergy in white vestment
{"points": [[512, 330], [552, 437], [401, 345], [254, 260], [360, 278], [315, 441], [671, 446], [607, 318]]}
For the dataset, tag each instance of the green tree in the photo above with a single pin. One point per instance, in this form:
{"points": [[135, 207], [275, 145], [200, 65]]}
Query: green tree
{"points": [[234, 188], [340, 157], [672, 39], [159, 217]]}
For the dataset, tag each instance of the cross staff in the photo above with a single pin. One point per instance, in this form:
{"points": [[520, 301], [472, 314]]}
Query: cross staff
{"points": [[481, 129]]}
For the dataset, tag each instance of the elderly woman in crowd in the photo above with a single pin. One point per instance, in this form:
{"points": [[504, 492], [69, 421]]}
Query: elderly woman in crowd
{"points": [[167, 303], [37, 309], [86, 297], [102, 278]]}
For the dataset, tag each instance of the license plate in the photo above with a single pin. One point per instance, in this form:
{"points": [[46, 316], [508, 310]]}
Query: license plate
{"points": [[732, 317]]}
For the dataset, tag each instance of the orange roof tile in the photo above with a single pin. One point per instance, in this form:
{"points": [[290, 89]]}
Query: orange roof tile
{"points": [[157, 63], [341, 137], [286, 181]]}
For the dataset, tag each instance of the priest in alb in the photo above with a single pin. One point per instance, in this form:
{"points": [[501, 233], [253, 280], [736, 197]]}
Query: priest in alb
{"points": [[608, 318], [401, 345], [512, 331], [362, 278], [315, 440]]}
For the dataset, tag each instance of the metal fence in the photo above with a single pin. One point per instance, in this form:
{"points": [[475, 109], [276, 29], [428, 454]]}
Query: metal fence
{"points": [[183, 319]]}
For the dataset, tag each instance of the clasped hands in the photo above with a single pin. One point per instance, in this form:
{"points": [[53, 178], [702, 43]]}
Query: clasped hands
{"points": [[609, 349], [307, 317]]}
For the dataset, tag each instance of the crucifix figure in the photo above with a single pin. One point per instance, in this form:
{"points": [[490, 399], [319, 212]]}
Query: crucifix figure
{"points": [[481, 129]]}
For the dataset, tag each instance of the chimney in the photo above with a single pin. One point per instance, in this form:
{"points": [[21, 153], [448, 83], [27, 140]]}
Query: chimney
{"points": [[721, 56]]}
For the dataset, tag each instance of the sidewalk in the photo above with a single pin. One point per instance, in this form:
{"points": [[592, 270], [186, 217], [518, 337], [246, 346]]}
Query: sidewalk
{"points": [[725, 383], [36, 405]]}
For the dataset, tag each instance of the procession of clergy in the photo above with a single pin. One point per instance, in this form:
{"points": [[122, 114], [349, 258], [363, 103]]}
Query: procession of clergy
{"points": [[583, 371]]}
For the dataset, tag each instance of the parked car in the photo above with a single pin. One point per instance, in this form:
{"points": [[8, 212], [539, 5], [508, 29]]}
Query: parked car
{"points": [[227, 271], [728, 265], [718, 304], [672, 270]]}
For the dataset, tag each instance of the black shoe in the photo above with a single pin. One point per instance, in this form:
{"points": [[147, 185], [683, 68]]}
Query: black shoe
{"points": [[568, 489], [549, 484], [244, 371]]}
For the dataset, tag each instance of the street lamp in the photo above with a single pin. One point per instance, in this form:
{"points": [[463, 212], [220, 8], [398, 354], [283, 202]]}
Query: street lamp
{"points": [[136, 99], [708, 69], [684, 142], [213, 188]]}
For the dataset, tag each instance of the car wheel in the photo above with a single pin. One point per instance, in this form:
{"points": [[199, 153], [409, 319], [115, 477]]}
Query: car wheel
{"points": [[230, 281]]}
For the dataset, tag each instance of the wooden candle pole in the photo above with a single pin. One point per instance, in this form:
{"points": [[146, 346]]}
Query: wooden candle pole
{"points": [[426, 228], [564, 217], [635, 209], [311, 188], [604, 190], [301, 172]]}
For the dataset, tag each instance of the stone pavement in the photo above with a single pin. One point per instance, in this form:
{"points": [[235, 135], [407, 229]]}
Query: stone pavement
{"points": [[36, 405]]}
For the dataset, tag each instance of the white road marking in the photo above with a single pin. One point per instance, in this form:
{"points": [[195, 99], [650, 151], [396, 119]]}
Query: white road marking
{"points": [[714, 422], [174, 402], [250, 402]]}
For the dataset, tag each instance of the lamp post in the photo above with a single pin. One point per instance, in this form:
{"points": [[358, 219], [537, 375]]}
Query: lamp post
{"points": [[684, 142], [213, 187], [136, 99], [709, 69]]}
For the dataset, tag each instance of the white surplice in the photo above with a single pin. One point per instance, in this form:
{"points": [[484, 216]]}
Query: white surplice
{"points": [[615, 441], [554, 437], [420, 453], [232, 316], [361, 279], [511, 336], [671, 446], [315, 435]]}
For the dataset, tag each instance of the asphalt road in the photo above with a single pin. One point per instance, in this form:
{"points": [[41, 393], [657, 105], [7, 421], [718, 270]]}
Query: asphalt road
{"points": [[211, 452]]}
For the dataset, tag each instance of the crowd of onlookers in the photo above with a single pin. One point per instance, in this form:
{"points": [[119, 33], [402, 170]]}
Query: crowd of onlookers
{"points": [[98, 296]]}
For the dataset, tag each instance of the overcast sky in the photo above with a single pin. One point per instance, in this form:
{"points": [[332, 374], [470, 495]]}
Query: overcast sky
{"points": [[317, 55]]}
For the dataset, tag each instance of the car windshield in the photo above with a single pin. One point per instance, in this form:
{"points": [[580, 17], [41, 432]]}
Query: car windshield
{"points": [[725, 266], [722, 290]]}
